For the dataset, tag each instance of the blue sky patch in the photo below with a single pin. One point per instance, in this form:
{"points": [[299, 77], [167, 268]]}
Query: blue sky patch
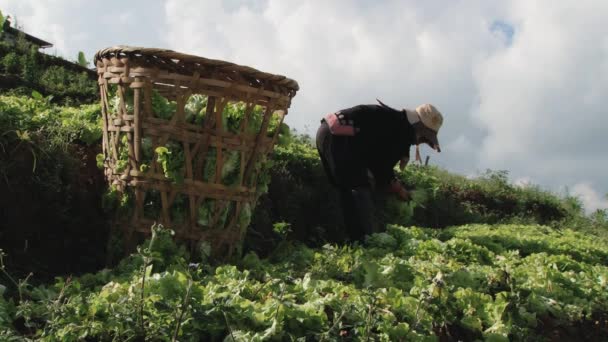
{"points": [[505, 29]]}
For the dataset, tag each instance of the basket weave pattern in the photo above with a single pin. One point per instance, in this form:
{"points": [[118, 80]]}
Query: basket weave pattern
{"points": [[145, 73]]}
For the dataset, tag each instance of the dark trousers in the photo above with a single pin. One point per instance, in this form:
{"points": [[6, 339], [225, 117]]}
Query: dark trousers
{"points": [[347, 172]]}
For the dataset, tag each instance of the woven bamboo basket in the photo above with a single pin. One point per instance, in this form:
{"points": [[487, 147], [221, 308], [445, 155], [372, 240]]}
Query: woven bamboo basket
{"points": [[164, 108]]}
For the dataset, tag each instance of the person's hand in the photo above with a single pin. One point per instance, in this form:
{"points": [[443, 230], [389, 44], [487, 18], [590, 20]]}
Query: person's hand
{"points": [[403, 163], [404, 195], [401, 192]]}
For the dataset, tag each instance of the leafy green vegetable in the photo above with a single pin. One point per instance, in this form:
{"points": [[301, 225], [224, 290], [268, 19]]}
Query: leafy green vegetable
{"points": [[171, 159], [196, 108], [211, 210], [232, 168], [162, 107], [205, 212], [245, 216], [100, 159], [403, 284]]}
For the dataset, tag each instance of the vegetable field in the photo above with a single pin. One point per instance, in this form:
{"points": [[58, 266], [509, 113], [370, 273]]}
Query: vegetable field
{"points": [[476, 282]]}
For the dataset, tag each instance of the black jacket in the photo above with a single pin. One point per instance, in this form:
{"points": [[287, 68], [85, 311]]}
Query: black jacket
{"points": [[384, 136]]}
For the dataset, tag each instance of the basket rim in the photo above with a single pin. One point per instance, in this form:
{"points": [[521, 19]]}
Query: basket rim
{"points": [[164, 57]]}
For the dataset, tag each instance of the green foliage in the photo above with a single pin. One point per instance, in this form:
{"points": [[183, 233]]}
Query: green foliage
{"points": [[196, 108], [41, 129], [100, 160], [451, 199], [32, 70], [596, 223], [11, 63], [82, 60], [405, 284], [61, 124], [162, 108], [245, 216], [62, 82], [282, 228], [171, 159], [534, 239]]}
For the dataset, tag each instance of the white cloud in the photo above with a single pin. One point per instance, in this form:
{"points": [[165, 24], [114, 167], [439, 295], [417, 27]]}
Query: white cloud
{"points": [[591, 199], [526, 97], [460, 145], [540, 96], [73, 26], [523, 182], [521, 83], [38, 20], [343, 55]]}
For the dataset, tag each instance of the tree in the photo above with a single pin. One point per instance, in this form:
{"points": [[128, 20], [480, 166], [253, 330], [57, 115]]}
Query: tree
{"points": [[82, 60]]}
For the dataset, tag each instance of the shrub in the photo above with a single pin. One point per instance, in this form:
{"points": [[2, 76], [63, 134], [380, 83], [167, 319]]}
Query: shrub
{"points": [[11, 63]]}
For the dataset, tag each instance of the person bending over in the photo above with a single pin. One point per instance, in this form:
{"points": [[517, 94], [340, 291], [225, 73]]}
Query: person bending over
{"points": [[359, 148]]}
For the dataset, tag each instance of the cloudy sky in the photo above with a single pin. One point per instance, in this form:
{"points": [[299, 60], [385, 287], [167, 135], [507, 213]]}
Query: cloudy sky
{"points": [[521, 83]]}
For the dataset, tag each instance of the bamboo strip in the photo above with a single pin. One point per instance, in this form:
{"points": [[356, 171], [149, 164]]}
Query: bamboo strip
{"points": [[219, 155], [137, 124], [148, 114], [104, 116], [261, 135], [189, 64], [188, 160], [203, 85]]}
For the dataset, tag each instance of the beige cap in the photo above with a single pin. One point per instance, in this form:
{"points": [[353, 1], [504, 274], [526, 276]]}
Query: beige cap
{"points": [[430, 116], [432, 119]]}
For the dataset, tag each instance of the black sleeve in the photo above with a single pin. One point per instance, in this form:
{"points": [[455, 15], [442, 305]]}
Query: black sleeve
{"points": [[384, 138], [384, 172], [386, 157]]}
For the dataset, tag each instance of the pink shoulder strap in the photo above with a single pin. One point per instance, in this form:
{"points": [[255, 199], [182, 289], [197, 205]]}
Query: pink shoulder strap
{"points": [[339, 126]]}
